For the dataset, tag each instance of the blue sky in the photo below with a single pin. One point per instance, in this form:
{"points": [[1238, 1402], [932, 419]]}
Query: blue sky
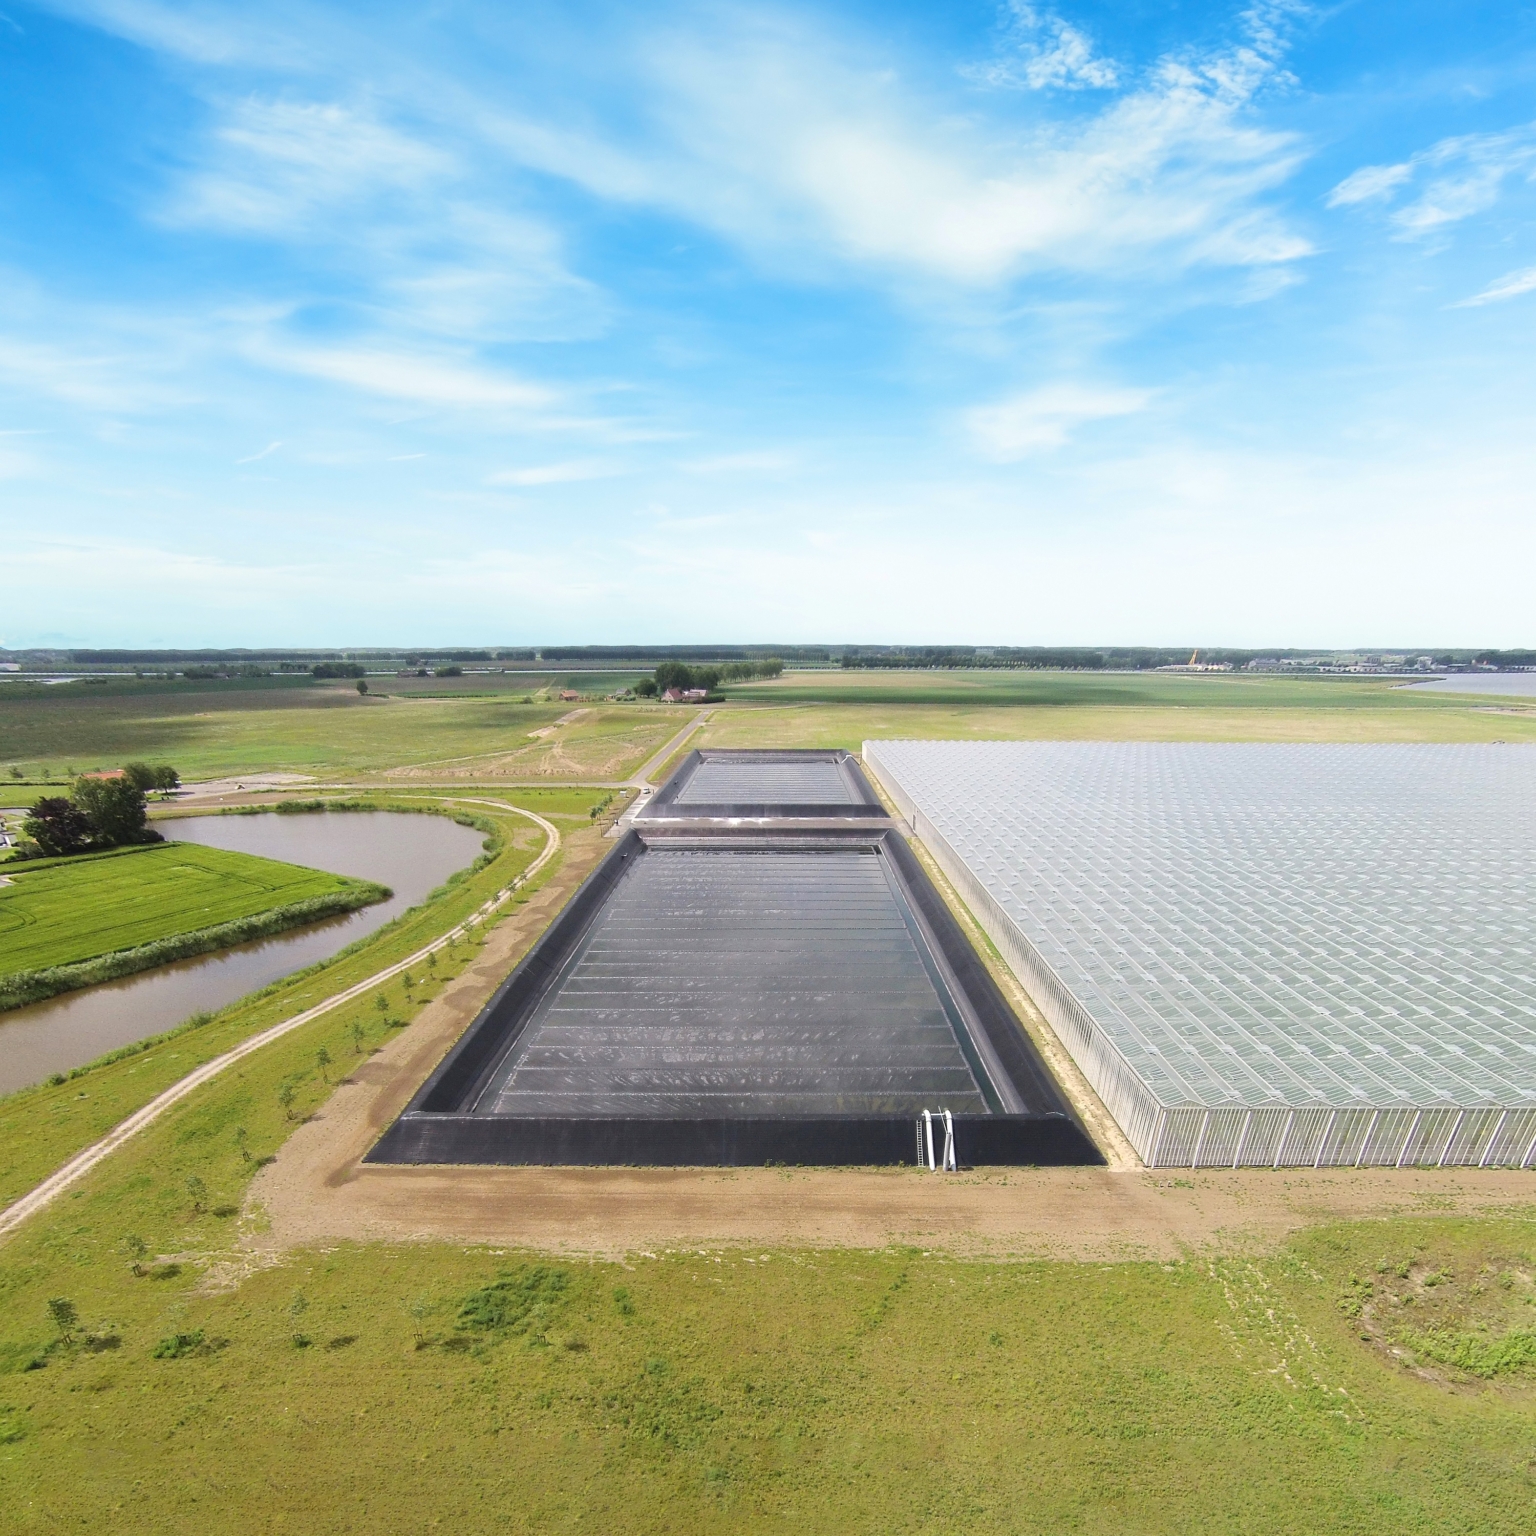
{"points": [[1013, 324]]}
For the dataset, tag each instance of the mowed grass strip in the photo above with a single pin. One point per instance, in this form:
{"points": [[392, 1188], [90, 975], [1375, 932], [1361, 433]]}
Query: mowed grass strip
{"points": [[86, 907]]}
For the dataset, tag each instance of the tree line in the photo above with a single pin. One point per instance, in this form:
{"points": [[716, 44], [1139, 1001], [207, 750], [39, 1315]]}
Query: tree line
{"points": [[678, 674], [97, 813]]}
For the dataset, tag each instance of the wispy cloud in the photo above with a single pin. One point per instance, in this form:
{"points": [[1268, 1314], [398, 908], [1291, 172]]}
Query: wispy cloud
{"points": [[256, 458], [426, 379], [1457, 178], [1368, 183], [124, 374], [1510, 286], [782, 139], [770, 127], [1040, 50], [554, 474], [278, 164], [1045, 418]]}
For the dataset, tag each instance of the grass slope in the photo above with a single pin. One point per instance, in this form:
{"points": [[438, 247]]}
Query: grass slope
{"points": [[81, 908]]}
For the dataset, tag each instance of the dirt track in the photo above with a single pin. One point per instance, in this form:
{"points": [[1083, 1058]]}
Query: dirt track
{"points": [[318, 1191]]}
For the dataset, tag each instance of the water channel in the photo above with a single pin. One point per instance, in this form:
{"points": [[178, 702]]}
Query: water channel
{"points": [[410, 853]]}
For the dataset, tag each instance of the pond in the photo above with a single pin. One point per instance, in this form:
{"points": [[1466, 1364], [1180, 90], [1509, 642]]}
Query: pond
{"points": [[1510, 685], [409, 852]]}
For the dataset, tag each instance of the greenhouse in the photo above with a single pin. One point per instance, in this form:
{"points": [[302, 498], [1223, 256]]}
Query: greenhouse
{"points": [[1261, 955]]}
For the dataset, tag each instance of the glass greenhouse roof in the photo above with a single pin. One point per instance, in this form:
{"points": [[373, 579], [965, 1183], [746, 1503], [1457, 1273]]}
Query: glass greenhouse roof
{"points": [[1265, 924]]}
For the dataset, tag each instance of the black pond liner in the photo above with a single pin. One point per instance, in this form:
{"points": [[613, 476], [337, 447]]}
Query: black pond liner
{"points": [[1017, 1114], [679, 800]]}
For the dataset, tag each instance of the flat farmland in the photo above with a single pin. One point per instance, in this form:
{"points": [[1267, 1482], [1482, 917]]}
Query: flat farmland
{"points": [[323, 730], [532, 683], [81, 908], [601, 742], [844, 709]]}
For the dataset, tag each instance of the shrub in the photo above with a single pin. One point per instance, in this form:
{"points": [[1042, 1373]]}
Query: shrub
{"points": [[513, 1300], [177, 1346]]}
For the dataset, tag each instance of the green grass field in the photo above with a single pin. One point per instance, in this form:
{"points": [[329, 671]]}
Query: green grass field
{"points": [[844, 709], [320, 729], [1032, 689], [420, 1387], [79, 908], [533, 683]]}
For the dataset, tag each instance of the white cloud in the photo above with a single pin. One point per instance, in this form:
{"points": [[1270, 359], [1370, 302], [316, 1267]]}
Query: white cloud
{"points": [[278, 164], [1045, 418], [553, 474], [1370, 181], [1042, 51], [1510, 286], [1458, 177], [256, 458], [119, 374], [424, 379], [791, 145], [206, 36], [777, 131]]}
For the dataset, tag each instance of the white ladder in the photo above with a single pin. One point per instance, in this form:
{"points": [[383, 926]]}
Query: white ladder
{"points": [[925, 1152]]}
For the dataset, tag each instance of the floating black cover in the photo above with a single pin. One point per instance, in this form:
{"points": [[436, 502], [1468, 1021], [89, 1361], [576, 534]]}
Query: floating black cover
{"points": [[726, 997]]}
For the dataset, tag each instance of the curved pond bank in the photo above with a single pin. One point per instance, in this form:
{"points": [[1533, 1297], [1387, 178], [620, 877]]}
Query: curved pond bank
{"points": [[409, 852]]}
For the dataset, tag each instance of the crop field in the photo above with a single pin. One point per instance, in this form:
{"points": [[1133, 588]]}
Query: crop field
{"points": [[76, 909], [1026, 687], [324, 730], [592, 742], [844, 709], [532, 683]]}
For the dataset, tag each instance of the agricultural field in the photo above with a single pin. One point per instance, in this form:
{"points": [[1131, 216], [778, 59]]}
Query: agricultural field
{"points": [[325, 730], [847, 708], [61, 911], [456, 733], [1353, 1377], [536, 684], [599, 743]]}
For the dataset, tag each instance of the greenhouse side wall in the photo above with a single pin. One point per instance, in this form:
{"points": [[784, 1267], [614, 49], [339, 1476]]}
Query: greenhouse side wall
{"points": [[1125, 1095]]}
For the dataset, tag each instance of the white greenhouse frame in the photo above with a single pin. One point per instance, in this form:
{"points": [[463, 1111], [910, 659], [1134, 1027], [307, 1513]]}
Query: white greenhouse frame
{"points": [[1197, 922]]}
